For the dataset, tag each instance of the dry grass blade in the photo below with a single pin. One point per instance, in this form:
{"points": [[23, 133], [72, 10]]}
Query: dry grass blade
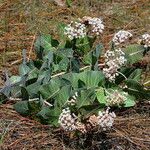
{"points": [[20, 21], [131, 132]]}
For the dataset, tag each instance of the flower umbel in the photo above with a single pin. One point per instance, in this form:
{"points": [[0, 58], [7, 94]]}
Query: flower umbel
{"points": [[145, 40], [96, 25], [75, 30], [113, 61], [67, 120], [72, 101], [106, 119], [121, 37], [116, 98], [85, 26]]}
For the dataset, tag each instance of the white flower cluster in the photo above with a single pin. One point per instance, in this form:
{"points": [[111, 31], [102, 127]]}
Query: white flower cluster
{"points": [[145, 40], [116, 98], [73, 99], [96, 25], [84, 26], [106, 119], [75, 30], [121, 37], [71, 102], [111, 72], [113, 60], [67, 120]]}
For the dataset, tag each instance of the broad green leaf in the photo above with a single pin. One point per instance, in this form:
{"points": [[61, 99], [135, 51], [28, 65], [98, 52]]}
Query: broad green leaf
{"points": [[15, 79], [44, 75], [130, 102], [63, 95], [22, 108], [44, 44], [34, 107], [131, 83], [47, 61], [44, 41], [100, 93], [49, 115], [32, 64], [16, 91], [63, 64], [55, 68], [92, 78], [23, 69], [33, 74], [6, 91], [136, 89], [31, 77], [134, 53], [126, 71], [83, 45], [64, 82], [75, 65], [96, 56], [136, 75], [49, 90], [49, 57], [73, 78], [87, 59], [92, 57], [33, 89], [69, 3], [45, 113], [24, 93], [85, 98], [65, 52]]}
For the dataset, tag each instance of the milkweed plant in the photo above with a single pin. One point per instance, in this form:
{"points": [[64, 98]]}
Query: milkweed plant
{"points": [[75, 84]]}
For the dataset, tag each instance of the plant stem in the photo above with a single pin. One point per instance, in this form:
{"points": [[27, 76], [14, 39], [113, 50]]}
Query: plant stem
{"points": [[122, 74], [83, 68], [146, 82], [136, 53]]}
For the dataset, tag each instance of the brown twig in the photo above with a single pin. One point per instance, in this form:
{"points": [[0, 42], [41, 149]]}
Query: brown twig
{"points": [[31, 48]]}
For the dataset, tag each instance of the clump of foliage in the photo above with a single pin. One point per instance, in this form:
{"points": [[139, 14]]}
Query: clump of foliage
{"points": [[67, 85]]}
